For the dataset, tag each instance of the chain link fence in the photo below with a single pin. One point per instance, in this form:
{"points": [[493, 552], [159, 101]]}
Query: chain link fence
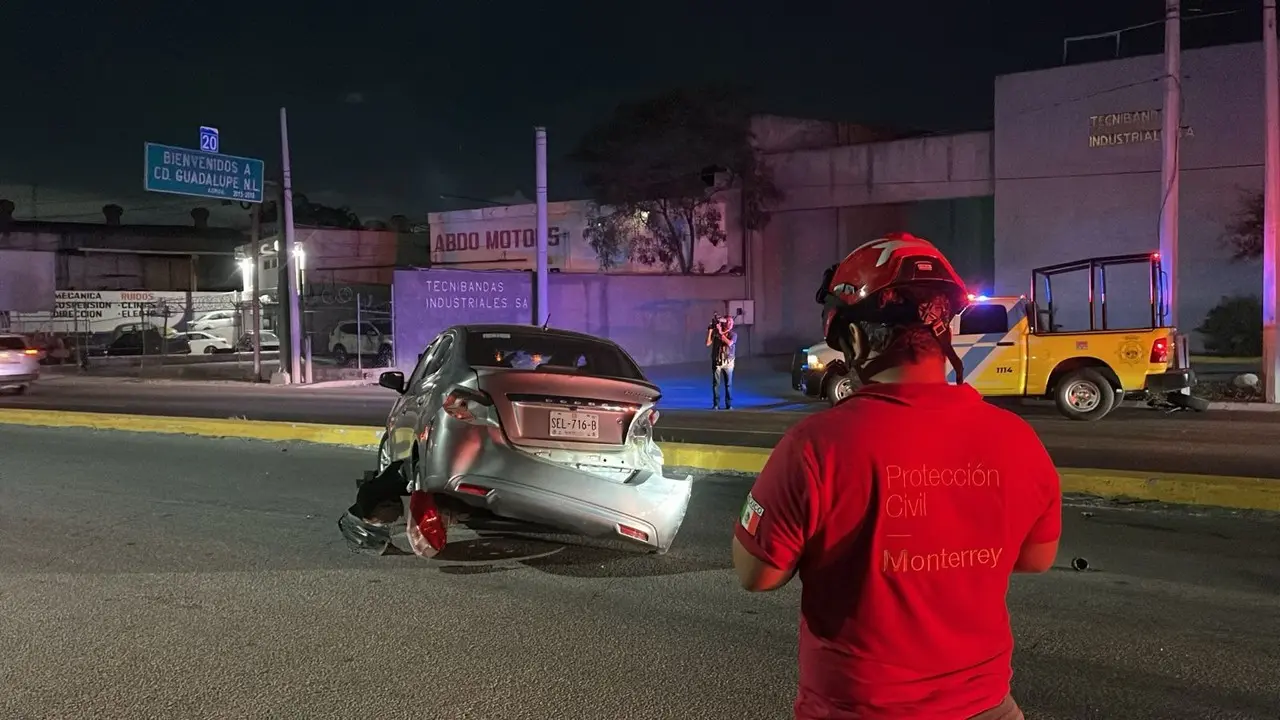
{"points": [[349, 325]]}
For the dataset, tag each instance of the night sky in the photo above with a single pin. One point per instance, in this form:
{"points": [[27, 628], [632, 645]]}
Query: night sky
{"points": [[393, 104]]}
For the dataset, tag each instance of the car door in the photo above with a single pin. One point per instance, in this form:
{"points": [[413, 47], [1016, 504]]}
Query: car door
{"points": [[988, 344], [340, 336], [368, 339], [402, 425]]}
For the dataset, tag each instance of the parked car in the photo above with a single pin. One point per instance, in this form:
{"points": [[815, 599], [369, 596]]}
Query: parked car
{"points": [[220, 323], [203, 343], [370, 338], [267, 341], [19, 364], [147, 341], [529, 424]]}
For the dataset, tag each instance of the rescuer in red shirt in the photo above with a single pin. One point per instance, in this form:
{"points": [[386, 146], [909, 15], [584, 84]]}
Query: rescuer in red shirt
{"points": [[904, 509]]}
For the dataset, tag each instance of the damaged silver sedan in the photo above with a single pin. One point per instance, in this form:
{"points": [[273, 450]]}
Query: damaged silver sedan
{"points": [[531, 424]]}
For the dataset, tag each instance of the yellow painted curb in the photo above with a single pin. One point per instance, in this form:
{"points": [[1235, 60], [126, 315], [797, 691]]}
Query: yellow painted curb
{"points": [[719, 458], [1215, 490], [1182, 489], [208, 427]]}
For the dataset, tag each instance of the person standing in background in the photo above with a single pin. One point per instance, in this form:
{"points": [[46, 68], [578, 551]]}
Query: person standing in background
{"points": [[723, 341]]}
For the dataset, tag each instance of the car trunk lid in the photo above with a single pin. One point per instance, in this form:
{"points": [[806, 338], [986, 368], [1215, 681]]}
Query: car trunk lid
{"points": [[553, 409]]}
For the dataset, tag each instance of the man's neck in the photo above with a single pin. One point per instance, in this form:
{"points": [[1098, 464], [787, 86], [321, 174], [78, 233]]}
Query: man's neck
{"points": [[933, 370]]}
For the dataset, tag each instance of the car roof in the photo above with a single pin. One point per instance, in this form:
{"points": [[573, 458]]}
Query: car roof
{"points": [[521, 328]]}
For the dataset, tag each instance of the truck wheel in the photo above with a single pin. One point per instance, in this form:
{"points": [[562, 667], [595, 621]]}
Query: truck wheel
{"points": [[1084, 394], [1118, 401], [1188, 402], [838, 387]]}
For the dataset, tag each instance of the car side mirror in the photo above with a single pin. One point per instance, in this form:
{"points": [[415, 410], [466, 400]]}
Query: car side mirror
{"points": [[392, 380]]}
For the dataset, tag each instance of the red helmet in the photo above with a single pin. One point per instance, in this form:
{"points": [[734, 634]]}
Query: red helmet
{"points": [[874, 282]]}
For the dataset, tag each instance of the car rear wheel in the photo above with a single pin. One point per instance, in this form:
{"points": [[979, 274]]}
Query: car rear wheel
{"points": [[340, 355], [837, 387], [384, 455], [1084, 394]]}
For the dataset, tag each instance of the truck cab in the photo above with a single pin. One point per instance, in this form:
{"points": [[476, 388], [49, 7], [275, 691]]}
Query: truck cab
{"points": [[1079, 355]]}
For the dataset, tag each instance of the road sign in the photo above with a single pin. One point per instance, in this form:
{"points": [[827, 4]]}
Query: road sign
{"points": [[182, 171], [208, 139]]}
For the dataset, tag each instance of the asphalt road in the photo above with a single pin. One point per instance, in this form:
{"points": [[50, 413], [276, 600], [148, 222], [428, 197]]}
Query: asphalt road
{"points": [[146, 576], [1222, 443]]}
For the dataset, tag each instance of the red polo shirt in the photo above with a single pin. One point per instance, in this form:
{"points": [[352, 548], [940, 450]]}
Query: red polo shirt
{"points": [[904, 509]]}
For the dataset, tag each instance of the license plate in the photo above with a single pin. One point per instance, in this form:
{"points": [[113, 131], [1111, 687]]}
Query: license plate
{"points": [[582, 425]]}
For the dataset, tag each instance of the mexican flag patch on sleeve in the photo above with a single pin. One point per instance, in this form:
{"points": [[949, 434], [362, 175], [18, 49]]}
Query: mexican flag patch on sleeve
{"points": [[751, 514]]}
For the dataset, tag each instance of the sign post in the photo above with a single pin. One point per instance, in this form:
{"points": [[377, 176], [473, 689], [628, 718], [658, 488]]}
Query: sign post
{"points": [[1271, 205]]}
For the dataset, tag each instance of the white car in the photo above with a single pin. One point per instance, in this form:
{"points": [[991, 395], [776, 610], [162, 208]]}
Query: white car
{"points": [[220, 323], [19, 364], [368, 338], [206, 343]]}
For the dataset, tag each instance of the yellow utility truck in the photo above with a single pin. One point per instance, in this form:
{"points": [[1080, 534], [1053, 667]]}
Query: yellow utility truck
{"points": [[1084, 356]]}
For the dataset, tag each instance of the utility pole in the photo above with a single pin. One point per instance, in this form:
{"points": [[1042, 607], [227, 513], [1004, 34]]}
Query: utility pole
{"points": [[1170, 136], [255, 237], [1271, 205], [541, 307], [290, 259]]}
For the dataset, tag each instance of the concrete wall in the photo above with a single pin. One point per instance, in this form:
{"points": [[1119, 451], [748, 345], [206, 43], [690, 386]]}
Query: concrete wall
{"points": [[27, 281], [837, 198], [336, 257], [799, 245], [658, 319], [1076, 177], [124, 257], [923, 168]]}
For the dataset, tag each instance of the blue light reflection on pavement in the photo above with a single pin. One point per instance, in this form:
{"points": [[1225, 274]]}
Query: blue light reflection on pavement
{"points": [[756, 386]]}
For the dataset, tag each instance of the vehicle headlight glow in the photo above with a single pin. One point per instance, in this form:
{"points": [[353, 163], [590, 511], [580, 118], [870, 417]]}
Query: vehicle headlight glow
{"points": [[813, 362]]}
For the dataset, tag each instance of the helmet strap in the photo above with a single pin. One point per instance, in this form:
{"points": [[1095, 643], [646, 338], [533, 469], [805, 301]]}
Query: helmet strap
{"points": [[869, 368], [944, 341]]}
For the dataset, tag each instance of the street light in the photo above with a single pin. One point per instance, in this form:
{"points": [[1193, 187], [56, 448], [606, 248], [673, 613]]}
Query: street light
{"points": [[300, 259]]}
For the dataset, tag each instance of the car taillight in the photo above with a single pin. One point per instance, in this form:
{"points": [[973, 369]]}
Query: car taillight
{"points": [[30, 351], [1160, 350], [465, 404], [642, 427]]}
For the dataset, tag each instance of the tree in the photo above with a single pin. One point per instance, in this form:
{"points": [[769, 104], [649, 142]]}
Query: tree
{"points": [[313, 214], [655, 168], [1234, 327], [1244, 234], [310, 214]]}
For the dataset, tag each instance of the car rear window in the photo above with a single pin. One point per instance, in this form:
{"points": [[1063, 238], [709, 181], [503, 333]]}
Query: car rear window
{"points": [[12, 343], [539, 349]]}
